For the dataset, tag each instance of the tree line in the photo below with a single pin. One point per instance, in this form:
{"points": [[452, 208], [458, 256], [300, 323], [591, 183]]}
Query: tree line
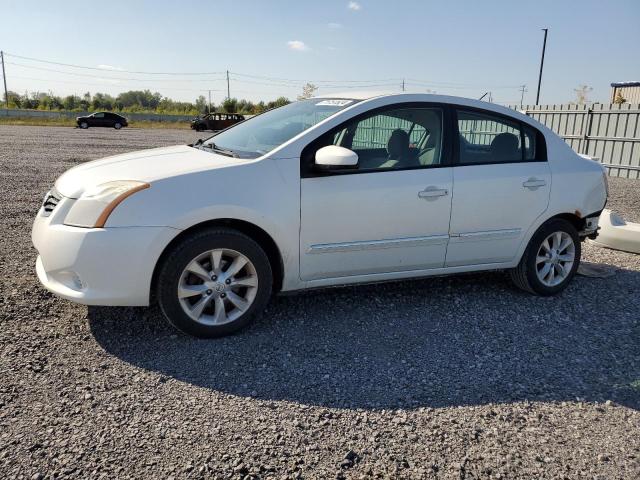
{"points": [[136, 101]]}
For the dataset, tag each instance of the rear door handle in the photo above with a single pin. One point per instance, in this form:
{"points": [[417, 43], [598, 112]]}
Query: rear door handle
{"points": [[432, 192], [534, 183]]}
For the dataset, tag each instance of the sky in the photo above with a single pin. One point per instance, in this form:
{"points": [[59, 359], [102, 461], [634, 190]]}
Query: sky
{"points": [[271, 48]]}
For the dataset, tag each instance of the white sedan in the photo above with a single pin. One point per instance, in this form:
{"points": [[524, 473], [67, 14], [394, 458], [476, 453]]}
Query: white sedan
{"points": [[321, 192]]}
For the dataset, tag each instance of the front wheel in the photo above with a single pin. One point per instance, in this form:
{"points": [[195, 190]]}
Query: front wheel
{"points": [[117, 126], [84, 125], [214, 282], [550, 260]]}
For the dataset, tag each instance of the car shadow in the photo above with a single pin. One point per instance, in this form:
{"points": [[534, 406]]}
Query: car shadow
{"points": [[438, 342]]}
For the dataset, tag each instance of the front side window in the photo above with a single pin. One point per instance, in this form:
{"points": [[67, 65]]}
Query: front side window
{"points": [[485, 138], [263, 133], [392, 139]]}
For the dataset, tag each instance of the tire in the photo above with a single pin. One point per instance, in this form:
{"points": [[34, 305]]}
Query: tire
{"points": [[84, 125], [117, 126], [224, 288], [530, 274]]}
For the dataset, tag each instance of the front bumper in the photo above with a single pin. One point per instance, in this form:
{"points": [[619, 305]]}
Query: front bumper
{"points": [[97, 266]]}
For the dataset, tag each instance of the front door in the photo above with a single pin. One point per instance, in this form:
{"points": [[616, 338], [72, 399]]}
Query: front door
{"points": [[389, 215], [98, 119], [500, 188]]}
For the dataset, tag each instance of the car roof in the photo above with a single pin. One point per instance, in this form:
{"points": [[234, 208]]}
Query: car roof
{"points": [[400, 97]]}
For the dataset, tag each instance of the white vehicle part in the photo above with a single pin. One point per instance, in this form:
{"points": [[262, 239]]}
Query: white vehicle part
{"points": [[95, 205], [335, 156], [492, 210], [617, 234], [372, 223]]}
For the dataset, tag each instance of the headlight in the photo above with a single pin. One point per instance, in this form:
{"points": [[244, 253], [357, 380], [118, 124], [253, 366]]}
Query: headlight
{"points": [[95, 205]]}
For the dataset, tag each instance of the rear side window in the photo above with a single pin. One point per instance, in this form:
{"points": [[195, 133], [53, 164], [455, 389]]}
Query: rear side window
{"points": [[488, 139]]}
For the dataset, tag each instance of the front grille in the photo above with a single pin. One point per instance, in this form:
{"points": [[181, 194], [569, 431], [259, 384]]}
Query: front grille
{"points": [[50, 202]]}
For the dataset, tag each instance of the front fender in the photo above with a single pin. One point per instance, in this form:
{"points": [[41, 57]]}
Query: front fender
{"points": [[263, 192]]}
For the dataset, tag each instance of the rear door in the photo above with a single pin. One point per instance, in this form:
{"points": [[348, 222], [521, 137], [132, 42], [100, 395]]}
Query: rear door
{"points": [[110, 119], [500, 187]]}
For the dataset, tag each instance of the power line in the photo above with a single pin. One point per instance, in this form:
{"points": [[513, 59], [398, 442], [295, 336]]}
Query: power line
{"points": [[301, 81], [460, 86], [279, 84], [266, 80], [320, 86], [108, 69], [89, 84], [32, 67]]}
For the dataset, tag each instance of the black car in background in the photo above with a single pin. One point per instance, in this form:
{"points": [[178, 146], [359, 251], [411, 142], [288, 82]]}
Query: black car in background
{"points": [[102, 119], [215, 121]]}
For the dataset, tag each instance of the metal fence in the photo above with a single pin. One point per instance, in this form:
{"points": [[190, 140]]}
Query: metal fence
{"points": [[610, 133]]}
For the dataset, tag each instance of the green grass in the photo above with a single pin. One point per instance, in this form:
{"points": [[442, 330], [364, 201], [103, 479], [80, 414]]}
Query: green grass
{"points": [[70, 122]]}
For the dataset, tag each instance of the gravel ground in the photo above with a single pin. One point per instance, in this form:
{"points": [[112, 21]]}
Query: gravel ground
{"points": [[457, 377]]}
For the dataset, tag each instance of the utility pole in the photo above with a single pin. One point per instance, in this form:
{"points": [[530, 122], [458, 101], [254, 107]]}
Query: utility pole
{"points": [[228, 91], [403, 84], [544, 47], [4, 77], [523, 88], [209, 101]]}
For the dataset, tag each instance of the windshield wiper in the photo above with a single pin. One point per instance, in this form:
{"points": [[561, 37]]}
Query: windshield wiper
{"points": [[213, 146]]}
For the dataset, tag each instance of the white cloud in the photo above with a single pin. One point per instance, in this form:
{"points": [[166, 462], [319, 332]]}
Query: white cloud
{"points": [[109, 67], [355, 6], [334, 25], [297, 45]]}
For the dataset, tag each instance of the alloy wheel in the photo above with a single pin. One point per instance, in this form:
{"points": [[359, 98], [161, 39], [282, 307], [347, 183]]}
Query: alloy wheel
{"points": [[555, 258], [217, 287]]}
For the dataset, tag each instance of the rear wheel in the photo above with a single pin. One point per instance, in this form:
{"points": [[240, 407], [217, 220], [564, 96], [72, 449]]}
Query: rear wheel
{"points": [[213, 283], [550, 260]]}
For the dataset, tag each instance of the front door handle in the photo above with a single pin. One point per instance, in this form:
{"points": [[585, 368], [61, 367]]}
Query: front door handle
{"points": [[432, 192], [534, 183]]}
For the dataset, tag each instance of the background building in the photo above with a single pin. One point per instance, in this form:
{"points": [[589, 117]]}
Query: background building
{"points": [[630, 91]]}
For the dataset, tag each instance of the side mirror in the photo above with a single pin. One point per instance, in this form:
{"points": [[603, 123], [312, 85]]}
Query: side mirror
{"points": [[334, 157]]}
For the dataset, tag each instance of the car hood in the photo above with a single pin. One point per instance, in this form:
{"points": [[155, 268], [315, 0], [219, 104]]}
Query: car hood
{"points": [[145, 166]]}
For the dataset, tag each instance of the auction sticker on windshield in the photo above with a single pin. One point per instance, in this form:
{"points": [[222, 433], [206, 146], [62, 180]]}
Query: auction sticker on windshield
{"points": [[335, 103]]}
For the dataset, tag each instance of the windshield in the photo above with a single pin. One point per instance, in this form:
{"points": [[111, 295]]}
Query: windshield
{"points": [[263, 133]]}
